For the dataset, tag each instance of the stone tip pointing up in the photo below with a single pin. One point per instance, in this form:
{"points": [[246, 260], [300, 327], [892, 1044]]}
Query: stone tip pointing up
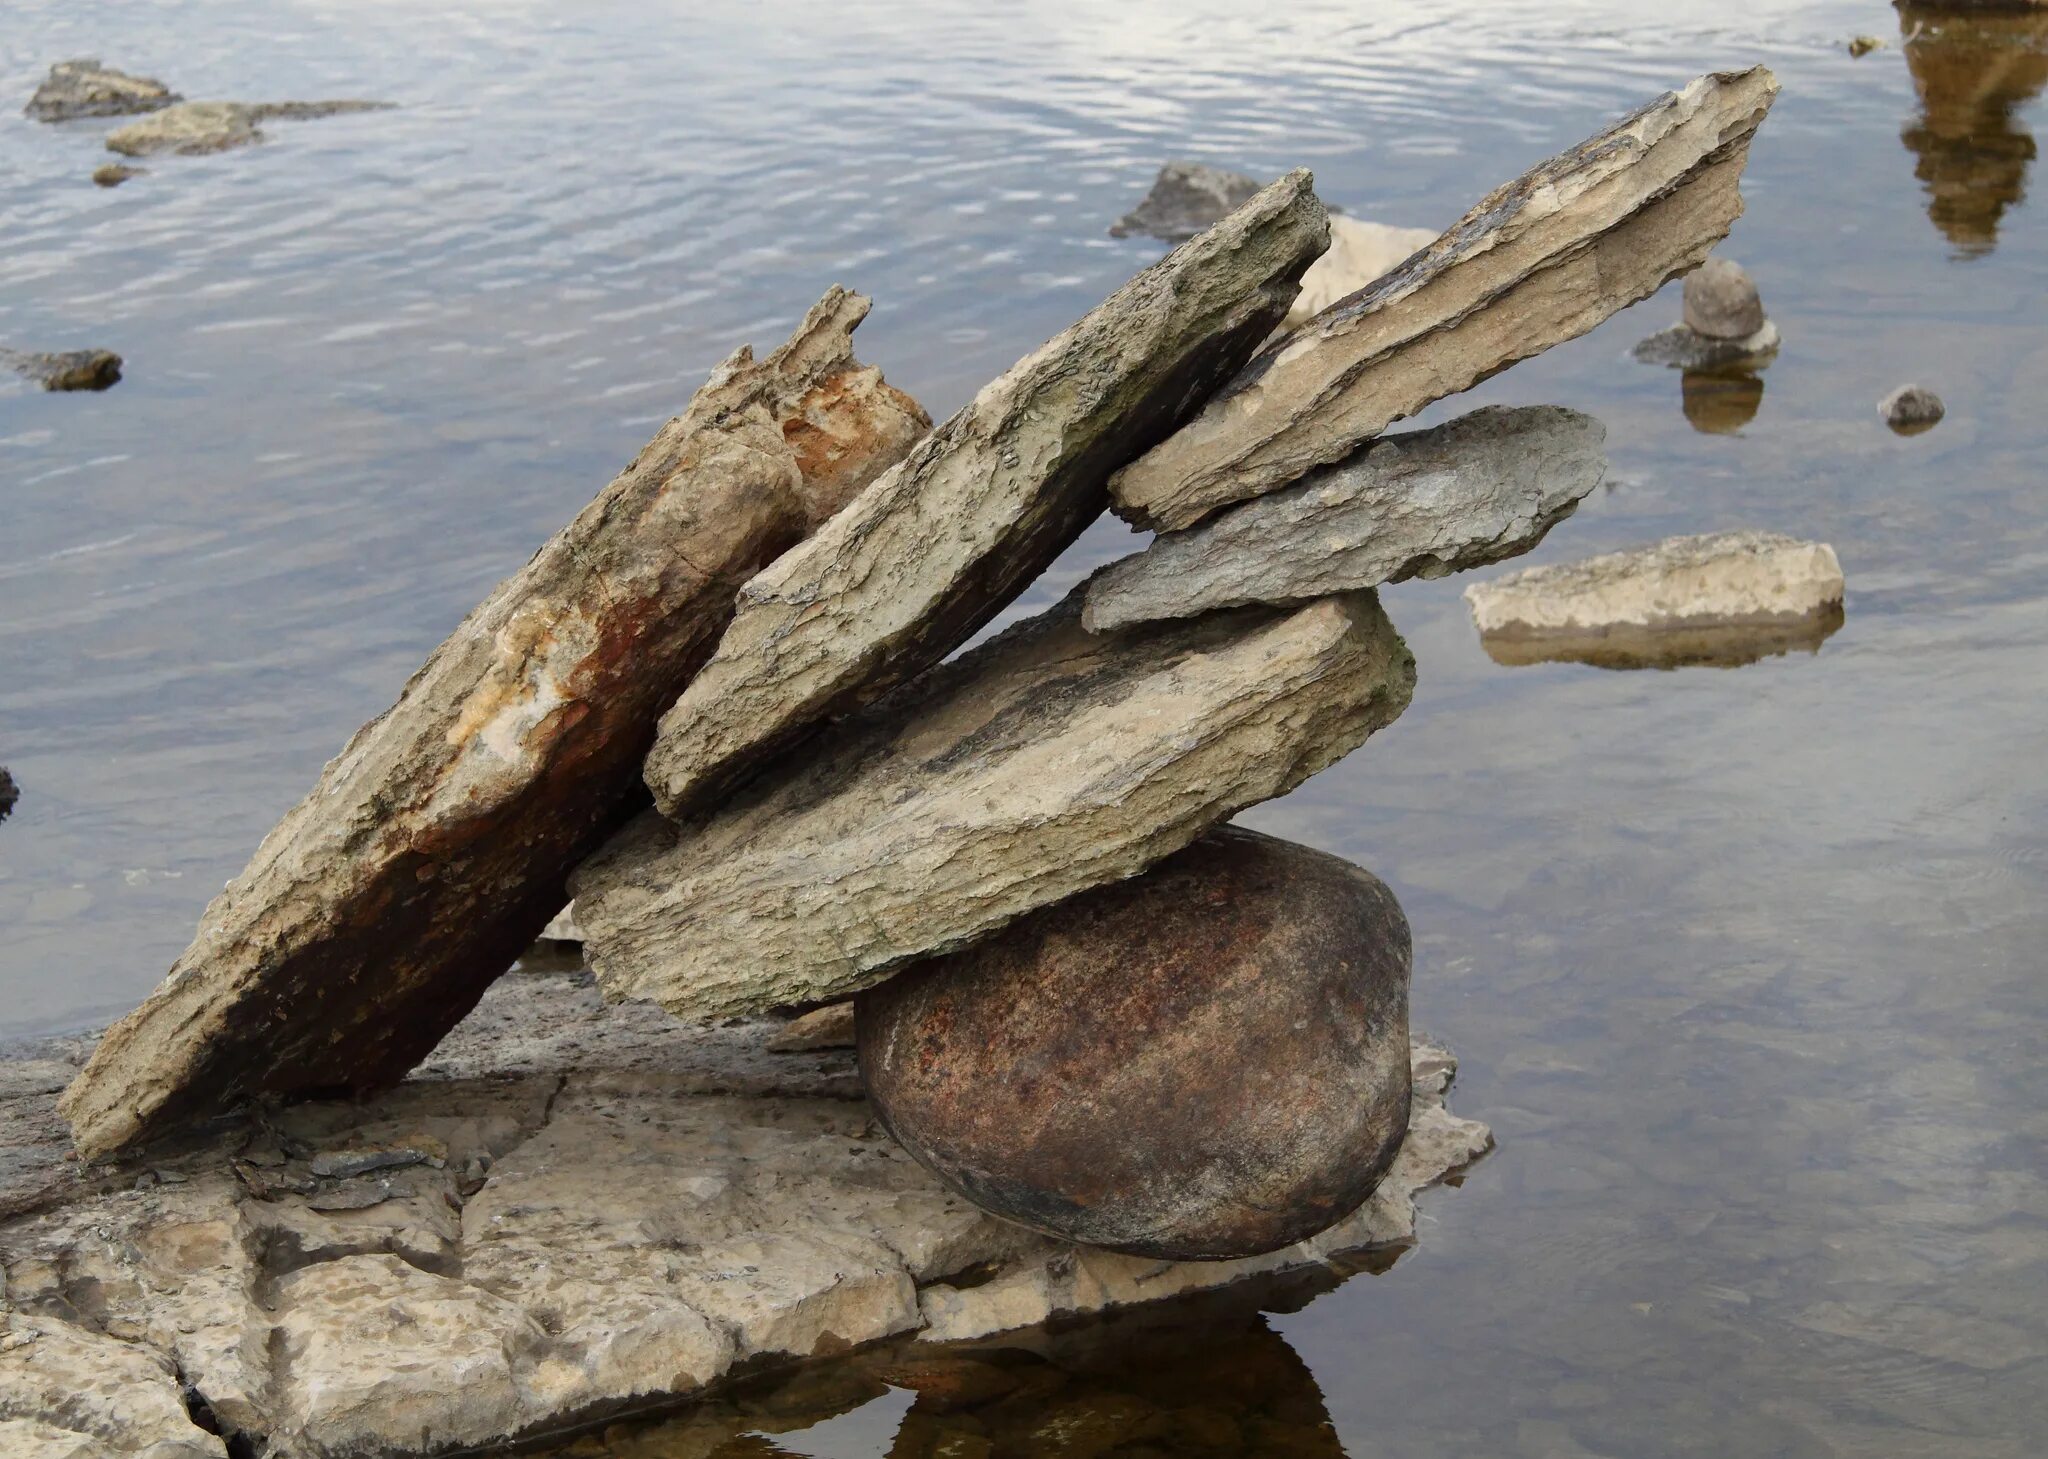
{"points": [[936, 547], [1538, 261]]}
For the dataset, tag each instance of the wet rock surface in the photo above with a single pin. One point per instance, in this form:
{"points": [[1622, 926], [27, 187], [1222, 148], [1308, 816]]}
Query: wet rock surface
{"points": [[1549, 256], [1485, 487], [66, 369], [197, 128], [435, 846], [1045, 762], [1911, 409], [985, 503], [85, 88], [1682, 347], [624, 1208], [1206, 1061], [1186, 198]]}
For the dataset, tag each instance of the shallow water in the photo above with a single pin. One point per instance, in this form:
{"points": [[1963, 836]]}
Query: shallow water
{"points": [[1745, 965]]}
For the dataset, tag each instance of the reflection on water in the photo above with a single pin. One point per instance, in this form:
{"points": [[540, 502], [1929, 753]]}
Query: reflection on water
{"points": [[1726, 646], [1720, 402], [1974, 70]]}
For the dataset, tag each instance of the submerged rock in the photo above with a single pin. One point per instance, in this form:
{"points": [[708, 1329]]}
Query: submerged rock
{"points": [[1911, 409], [626, 1210], [1186, 198], [113, 174], [85, 88], [435, 846], [1684, 348], [1048, 761], [984, 503], [67, 369], [195, 128], [1206, 1061], [1487, 486], [10, 793], [1537, 262], [1721, 300], [1652, 605]]}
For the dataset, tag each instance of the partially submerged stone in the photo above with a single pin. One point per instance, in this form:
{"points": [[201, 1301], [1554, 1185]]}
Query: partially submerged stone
{"points": [[1911, 409], [1539, 261], [1203, 1062], [1684, 348], [113, 174], [1186, 198], [85, 88], [1359, 252], [1487, 486], [626, 1210], [66, 369], [1654, 603], [985, 503], [1046, 762], [9, 793], [195, 128], [435, 846]]}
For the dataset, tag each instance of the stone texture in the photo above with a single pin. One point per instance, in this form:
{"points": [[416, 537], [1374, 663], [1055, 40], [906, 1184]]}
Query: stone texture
{"points": [[1720, 580], [1721, 300], [626, 1208], [1048, 761], [1359, 252], [1206, 1061], [67, 369], [113, 174], [1487, 486], [195, 128], [435, 846], [85, 88], [830, 1027], [985, 503], [1911, 409], [1684, 348], [1186, 198], [1538, 261]]}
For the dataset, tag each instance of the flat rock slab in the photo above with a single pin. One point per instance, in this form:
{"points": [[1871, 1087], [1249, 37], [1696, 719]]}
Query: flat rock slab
{"points": [[1487, 486], [1537, 262], [66, 369], [985, 503], [85, 88], [196, 128], [1046, 762], [601, 1210], [434, 848], [1684, 348], [1743, 581]]}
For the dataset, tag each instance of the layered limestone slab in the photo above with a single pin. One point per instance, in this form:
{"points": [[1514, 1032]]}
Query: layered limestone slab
{"points": [[1487, 486], [987, 501], [1048, 761], [1538, 261], [435, 847], [574, 1210]]}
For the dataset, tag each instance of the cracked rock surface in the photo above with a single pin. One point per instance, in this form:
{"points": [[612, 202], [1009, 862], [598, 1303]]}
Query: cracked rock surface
{"points": [[570, 1212]]}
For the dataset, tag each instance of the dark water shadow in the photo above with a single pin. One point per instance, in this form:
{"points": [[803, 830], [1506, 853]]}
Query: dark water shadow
{"points": [[1720, 402], [1726, 646], [1973, 70]]}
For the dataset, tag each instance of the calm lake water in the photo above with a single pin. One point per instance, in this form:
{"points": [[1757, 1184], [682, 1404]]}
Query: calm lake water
{"points": [[1745, 965]]}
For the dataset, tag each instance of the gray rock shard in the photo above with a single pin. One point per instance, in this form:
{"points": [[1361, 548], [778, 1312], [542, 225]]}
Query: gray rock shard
{"points": [[986, 502], [1487, 486], [1048, 761], [85, 88], [1538, 261], [434, 847]]}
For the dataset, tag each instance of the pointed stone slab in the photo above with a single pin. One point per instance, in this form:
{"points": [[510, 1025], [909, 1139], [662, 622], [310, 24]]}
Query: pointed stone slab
{"points": [[1048, 761], [939, 545], [435, 846], [1483, 488], [1537, 262]]}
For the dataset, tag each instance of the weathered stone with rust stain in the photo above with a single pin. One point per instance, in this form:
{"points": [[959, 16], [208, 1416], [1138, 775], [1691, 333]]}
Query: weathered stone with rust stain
{"points": [[436, 845], [1537, 262], [985, 503], [1208, 1061]]}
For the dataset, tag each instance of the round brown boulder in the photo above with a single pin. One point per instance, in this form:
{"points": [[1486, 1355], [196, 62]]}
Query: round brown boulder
{"points": [[1206, 1061]]}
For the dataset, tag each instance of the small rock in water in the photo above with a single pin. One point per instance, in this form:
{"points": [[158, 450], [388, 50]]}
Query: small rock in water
{"points": [[9, 793], [67, 369], [1863, 45], [113, 174], [195, 128], [1721, 300], [1186, 198], [830, 1027], [1207, 1061], [85, 88], [1911, 409]]}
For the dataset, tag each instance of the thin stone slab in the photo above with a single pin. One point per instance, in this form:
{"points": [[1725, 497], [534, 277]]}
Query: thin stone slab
{"points": [[1487, 486], [1537, 262], [939, 545], [1048, 761], [434, 848]]}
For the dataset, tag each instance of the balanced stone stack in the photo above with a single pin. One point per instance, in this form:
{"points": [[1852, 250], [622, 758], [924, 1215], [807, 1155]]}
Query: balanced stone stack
{"points": [[1083, 1003]]}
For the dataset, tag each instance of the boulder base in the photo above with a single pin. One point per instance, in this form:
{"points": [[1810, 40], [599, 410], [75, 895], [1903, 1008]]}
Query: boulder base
{"points": [[1204, 1062]]}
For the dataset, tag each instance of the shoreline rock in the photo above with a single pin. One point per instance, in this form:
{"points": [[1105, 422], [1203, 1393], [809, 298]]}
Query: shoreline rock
{"points": [[1185, 199], [82, 87], [1681, 347], [66, 369], [1911, 409]]}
